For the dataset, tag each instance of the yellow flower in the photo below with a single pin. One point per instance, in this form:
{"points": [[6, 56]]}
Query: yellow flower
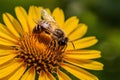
{"points": [[25, 56]]}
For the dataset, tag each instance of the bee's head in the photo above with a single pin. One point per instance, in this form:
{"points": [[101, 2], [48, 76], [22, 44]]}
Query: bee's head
{"points": [[63, 41]]}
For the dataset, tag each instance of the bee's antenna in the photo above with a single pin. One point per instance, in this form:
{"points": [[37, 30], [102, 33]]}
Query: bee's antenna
{"points": [[72, 44]]}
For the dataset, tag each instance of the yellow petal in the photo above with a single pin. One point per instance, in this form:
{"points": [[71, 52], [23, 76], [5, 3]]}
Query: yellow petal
{"points": [[88, 64], [83, 54], [58, 15], [3, 47], [7, 38], [82, 43], [4, 59], [70, 25], [34, 14], [7, 42], [78, 72], [6, 34], [6, 71], [45, 76], [63, 76], [18, 73], [11, 23], [22, 17], [29, 74], [5, 52], [78, 32], [8, 63], [42, 75], [50, 76]]}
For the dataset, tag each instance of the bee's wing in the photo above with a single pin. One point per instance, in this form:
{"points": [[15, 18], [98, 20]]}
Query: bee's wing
{"points": [[46, 16], [49, 18]]}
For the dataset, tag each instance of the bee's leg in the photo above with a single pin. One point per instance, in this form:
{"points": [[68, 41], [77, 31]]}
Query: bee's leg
{"points": [[63, 48], [54, 46], [51, 44], [60, 47]]}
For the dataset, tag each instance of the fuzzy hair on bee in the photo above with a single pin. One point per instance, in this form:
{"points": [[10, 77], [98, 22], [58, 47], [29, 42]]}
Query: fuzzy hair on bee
{"points": [[50, 26]]}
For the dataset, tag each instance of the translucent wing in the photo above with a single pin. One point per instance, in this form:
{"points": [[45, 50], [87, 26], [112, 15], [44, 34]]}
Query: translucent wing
{"points": [[49, 18], [46, 16]]}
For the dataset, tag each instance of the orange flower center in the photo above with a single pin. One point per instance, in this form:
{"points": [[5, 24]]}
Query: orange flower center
{"points": [[40, 51]]}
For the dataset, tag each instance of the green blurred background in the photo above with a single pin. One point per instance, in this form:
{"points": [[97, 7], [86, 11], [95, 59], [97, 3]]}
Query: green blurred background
{"points": [[102, 18]]}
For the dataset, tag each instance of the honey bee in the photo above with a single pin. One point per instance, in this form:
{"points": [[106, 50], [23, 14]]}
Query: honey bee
{"points": [[49, 26]]}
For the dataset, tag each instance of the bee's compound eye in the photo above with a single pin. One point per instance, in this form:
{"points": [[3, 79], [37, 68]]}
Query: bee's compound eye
{"points": [[63, 41]]}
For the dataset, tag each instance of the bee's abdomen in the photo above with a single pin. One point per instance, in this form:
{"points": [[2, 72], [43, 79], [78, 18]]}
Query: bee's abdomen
{"points": [[37, 29]]}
